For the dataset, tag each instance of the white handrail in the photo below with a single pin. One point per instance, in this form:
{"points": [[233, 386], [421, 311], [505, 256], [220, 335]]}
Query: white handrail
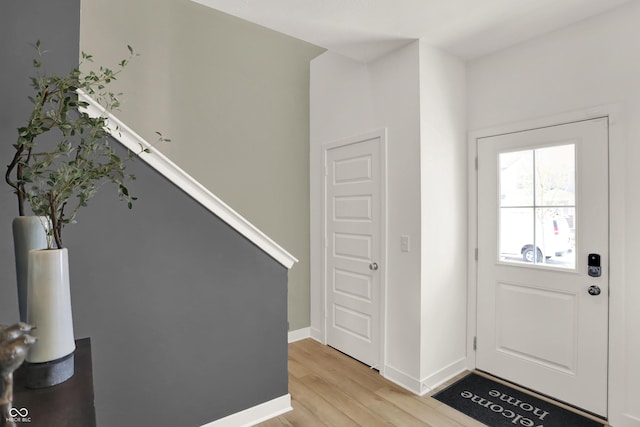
{"points": [[186, 182]]}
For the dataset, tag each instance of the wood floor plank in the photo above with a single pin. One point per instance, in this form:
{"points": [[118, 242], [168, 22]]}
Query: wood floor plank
{"points": [[459, 417], [397, 416], [342, 401], [300, 417], [359, 384], [319, 407], [297, 369], [324, 360], [418, 407]]}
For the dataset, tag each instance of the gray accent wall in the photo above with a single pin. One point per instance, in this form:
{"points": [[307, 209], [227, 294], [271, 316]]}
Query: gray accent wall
{"points": [[187, 318]]}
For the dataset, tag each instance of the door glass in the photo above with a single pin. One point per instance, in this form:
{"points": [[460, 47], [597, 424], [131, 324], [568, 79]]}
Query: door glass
{"points": [[537, 206]]}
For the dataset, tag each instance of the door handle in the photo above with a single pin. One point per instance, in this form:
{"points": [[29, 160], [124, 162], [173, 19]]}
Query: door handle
{"points": [[594, 290], [373, 266]]}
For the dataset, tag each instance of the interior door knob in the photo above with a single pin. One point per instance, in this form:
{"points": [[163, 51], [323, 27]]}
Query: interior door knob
{"points": [[373, 266], [594, 290]]}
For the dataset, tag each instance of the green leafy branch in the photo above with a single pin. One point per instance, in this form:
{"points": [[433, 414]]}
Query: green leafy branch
{"points": [[59, 174]]}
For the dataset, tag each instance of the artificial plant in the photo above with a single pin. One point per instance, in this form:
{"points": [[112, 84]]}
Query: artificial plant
{"points": [[63, 155]]}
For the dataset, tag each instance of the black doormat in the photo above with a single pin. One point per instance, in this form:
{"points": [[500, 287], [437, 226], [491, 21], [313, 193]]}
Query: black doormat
{"points": [[498, 405]]}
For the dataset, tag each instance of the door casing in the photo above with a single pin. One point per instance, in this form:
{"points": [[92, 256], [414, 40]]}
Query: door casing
{"points": [[381, 134], [617, 226]]}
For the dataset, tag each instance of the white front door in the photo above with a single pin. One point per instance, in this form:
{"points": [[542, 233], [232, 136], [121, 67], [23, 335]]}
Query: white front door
{"points": [[353, 220], [542, 221]]}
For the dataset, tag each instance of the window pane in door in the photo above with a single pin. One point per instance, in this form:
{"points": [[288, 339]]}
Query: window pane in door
{"points": [[516, 178], [554, 237], [537, 206], [555, 180], [516, 233]]}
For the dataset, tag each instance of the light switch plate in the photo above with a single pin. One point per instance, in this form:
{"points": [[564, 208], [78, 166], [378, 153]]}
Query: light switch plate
{"points": [[404, 243]]}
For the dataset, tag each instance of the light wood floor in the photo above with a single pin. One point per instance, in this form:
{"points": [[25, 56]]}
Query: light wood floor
{"points": [[331, 389]]}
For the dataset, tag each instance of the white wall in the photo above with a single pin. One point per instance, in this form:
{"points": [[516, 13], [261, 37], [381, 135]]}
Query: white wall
{"points": [[425, 299], [444, 215], [396, 102], [593, 63]]}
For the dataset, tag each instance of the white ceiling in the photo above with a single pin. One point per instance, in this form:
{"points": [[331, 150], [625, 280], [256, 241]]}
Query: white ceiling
{"points": [[366, 29]]}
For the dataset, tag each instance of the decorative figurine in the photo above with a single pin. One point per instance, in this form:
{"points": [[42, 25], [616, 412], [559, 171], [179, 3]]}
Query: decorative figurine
{"points": [[8, 333], [15, 342]]}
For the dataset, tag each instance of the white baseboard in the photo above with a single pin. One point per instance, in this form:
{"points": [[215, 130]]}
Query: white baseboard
{"points": [[255, 415], [427, 384], [624, 420], [299, 334], [403, 379], [317, 335], [431, 382]]}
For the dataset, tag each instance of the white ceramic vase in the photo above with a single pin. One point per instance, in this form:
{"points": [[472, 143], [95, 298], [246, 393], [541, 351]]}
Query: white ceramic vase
{"points": [[29, 233], [49, 305]]}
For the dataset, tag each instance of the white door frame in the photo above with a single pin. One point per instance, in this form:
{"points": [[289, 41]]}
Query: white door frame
{"points": [[617, 227], [382, 135]]}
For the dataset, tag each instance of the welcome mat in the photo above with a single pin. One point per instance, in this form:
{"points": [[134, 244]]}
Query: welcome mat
{"points": [[498, 405]]}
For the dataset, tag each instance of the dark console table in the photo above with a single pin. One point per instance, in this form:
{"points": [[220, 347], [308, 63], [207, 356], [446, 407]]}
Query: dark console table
{"points": [[70, 404]]}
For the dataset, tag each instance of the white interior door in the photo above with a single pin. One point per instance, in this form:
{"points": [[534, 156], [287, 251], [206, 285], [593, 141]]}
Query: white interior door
{"points": [[353, 248], [542, 210]]}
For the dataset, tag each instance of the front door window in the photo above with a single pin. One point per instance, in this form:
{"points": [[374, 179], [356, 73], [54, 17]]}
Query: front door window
{"points": [[538, 206]]}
